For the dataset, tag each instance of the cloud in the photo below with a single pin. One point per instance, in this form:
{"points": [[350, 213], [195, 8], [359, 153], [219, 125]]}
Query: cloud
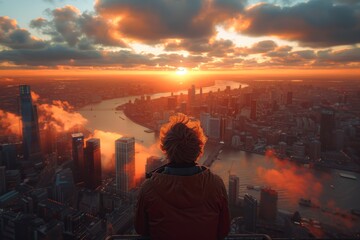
{"points": [[9, 123], [164, 19], [213, 48], [63, 55], [263, 46], [69, 25], [314, 23], [17, 38], [60, 116]]}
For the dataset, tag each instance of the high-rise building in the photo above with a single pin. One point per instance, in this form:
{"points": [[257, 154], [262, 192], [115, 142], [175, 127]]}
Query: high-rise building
{"points": [[327, 126], [289, 98], [314, 150], [13, 179], [125, 164], [78, 156], [183, 107], [191, 95], [282, 148], [8, 155], [338, 139], [253, 110], [233, 190], [268, 204], [214, 128], [92, 163], [298, 150], [2, 180], [30, 126], [171, 102], [250, 213], [64, 186], [204, 121]]}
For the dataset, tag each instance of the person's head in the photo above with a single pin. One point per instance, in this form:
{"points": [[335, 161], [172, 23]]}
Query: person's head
{"points": [[182, 139]]}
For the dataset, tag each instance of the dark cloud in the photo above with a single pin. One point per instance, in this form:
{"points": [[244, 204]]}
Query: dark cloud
{"points": [[63, 55], [316, 23], [215, 48], [70, 26], [175, 60], [165, 19], [17, 38], [263, 46], [340, 56], [38, 23], [65, 22], [100, 30]]}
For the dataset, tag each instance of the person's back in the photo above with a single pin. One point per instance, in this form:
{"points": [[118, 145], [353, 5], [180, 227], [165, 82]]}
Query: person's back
{"points": [[182, 200]]}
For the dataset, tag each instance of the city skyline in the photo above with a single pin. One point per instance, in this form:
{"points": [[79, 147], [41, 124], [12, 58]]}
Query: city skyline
{"points": [[89, 89]]}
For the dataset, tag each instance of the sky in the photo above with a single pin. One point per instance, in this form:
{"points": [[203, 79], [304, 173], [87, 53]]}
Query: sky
{"points": [[179, 35]]}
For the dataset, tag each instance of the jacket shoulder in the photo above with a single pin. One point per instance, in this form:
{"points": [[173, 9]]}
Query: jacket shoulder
{"points": [[216, 178]]}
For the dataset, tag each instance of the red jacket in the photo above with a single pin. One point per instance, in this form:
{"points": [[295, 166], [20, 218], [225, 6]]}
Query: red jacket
{"points": [[175, 207]]}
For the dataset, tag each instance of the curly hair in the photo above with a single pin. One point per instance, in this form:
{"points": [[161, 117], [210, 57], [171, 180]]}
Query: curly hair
{"points": [[182, 139]]}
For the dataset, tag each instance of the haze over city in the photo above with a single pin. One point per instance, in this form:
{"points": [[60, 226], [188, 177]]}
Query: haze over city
{"points": [[86, 85]]}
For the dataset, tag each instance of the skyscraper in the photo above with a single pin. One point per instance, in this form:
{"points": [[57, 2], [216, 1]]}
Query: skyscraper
{"points": [[253, 110], [314, 150], [204, 121], [78, 156], [233, 189], [2, 180], [289, 98], [327, 126], [64, 187], [125, 164], [92, 163], [250, 213], [191, 95], [268, 204], [30, 125], [8, 155], [214, 128]]}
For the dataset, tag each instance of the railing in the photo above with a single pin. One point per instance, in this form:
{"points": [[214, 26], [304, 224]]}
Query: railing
{"points": [[229, 237]]}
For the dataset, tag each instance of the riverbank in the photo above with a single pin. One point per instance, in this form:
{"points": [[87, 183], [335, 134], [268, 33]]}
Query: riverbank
{"points": [[137, 120]]}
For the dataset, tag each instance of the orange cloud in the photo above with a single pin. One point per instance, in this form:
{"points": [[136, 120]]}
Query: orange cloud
{"points": [[60, 116], [34, 96], [10, 123]]}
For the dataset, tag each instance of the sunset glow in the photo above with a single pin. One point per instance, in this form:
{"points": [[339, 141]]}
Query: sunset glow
{"points": [[181, 71], [107, 35]]}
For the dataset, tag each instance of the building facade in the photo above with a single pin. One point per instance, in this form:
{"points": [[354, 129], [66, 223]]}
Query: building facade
{"points": [[125, 164]]}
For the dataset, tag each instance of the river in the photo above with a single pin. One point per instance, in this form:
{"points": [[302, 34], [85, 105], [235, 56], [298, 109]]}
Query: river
{"points": [[324, 187]]}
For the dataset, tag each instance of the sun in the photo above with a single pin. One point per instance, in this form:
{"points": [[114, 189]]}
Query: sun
{"points": [[181, 71]]}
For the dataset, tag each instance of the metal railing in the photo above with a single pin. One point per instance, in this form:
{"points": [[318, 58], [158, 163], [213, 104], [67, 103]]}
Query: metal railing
{"points": [[229, 237]]}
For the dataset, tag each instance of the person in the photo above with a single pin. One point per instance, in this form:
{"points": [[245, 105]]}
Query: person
{"points": [[182, 200]]}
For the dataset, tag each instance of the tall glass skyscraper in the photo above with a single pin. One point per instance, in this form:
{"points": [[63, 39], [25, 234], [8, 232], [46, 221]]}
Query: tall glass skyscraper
{"points": [[30, 125], [92, 163], [125, 164], [234, 182], [327, 126], [78, 156]]}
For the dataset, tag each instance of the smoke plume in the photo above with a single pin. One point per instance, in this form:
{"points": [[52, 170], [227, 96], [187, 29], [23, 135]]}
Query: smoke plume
{"points": [[297, 181]]}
